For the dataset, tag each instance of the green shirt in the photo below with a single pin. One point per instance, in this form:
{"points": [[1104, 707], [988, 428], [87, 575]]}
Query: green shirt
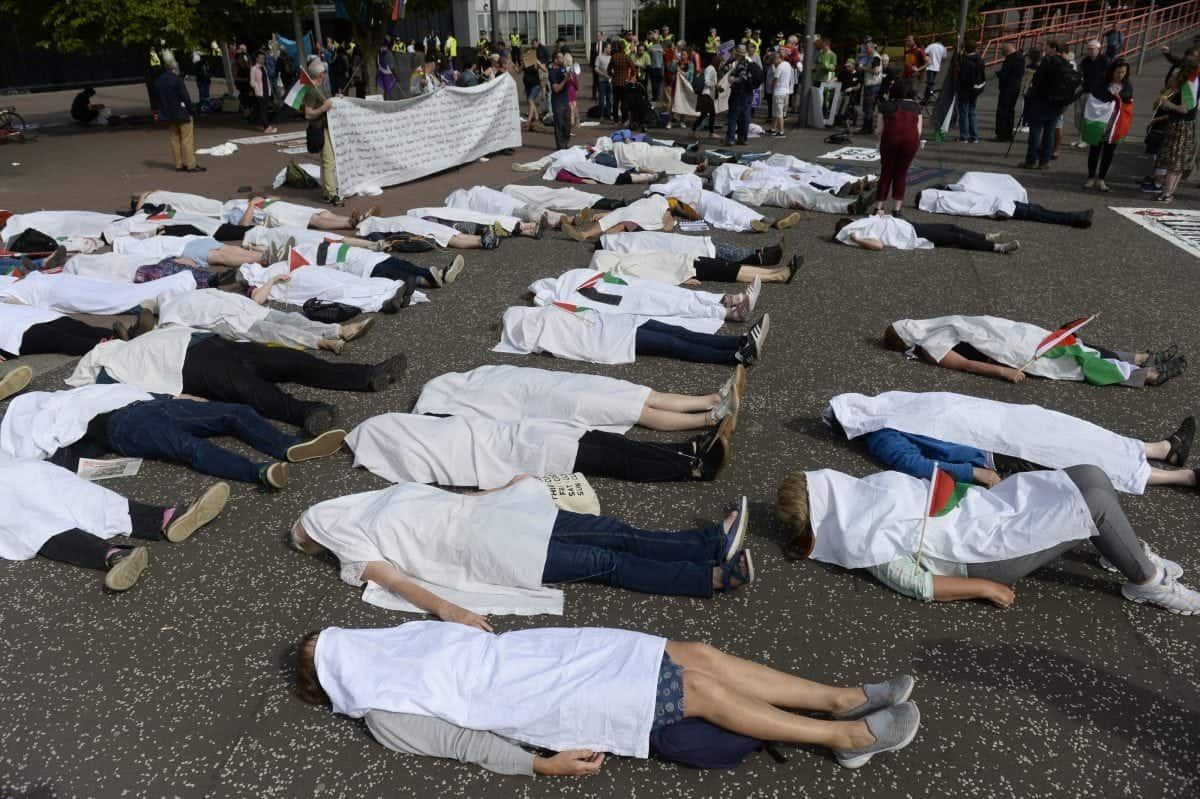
{"points": [[826, 66]]}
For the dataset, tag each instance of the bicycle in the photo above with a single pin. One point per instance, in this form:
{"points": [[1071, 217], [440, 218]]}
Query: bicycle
{"points": [[13, 126]]}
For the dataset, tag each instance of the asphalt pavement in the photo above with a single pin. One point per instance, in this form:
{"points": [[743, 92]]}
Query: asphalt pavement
{"points": [[180, 687]]}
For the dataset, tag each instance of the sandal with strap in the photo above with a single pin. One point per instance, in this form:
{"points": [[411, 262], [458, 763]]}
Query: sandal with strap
{"points": [[1181, 442], [738, 572]]}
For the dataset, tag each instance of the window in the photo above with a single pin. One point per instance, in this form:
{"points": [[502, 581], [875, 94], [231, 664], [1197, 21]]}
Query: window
{"points": [[524, 23], [566, 25], [483, 23]]}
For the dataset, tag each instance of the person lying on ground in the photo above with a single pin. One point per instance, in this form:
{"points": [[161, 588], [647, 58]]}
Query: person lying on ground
{"points": [[576, 165], [485, 200], [236, 317], [983, 441], [178, 360], [681, 243], [761, 185], [53, 513], [515, 393], [981, 542], [19, 265], [93, 421], [402, 681], [565, 200], [997, 196], [473, 223], [366, 263], [606, 293], [382, 229], [688, 199], [269, 211], [67, 293], [473, 451], [1001, 348], [649, 213], [686, 269], [580, 333], [297, 286], [422, 549], [202, 250], [25, 330], [881, 231]]}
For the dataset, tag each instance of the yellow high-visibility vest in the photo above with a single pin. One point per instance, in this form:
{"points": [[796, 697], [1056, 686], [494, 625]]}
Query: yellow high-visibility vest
{"points": [[451, 46], [155, 61]]}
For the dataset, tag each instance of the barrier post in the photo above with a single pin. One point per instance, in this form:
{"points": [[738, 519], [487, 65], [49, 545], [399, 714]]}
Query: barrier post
{"points": [[1146, 29]]}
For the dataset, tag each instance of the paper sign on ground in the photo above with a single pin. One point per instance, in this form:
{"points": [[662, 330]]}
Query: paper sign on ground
{"points": [[94, 469], [1180, 226]]}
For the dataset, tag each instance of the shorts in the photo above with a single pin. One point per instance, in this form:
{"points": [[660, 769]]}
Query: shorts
{"points": [[533, 92], [668, 698], [198, 250], [779, 105]]}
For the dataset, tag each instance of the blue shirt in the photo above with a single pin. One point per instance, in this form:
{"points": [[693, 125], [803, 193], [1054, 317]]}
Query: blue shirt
{"points": [[915, 455]]}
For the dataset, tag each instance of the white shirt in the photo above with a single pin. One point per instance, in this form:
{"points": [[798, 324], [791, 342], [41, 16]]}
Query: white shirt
{"points": [[898, 234], [446, 543], [785, 78], [934, 54], [656, 241]]}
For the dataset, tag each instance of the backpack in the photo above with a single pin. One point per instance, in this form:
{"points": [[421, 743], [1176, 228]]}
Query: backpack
{"points": [[297, 178], [32, 242], [1061, 83], [327, 312]]}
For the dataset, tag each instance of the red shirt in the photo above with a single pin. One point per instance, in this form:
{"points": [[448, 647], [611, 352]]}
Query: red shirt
{"points": [[914, 59]]}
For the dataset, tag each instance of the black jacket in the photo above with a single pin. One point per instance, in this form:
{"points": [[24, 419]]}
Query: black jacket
{"points": [[174, 102], [1092, 70], [1011, 72], [745, 77]]}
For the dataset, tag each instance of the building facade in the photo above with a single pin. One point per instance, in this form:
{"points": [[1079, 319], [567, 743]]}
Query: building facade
{"points": [[547, 20]]}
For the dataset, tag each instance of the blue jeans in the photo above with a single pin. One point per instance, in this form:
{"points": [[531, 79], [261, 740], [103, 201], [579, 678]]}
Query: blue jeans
{"points": [[669, 341], [739, 118], [176, 431], [1041, 140], [967, 119], [731, 252], [600, 549], [606, 99]]}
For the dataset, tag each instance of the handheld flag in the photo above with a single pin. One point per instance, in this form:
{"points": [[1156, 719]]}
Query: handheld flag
{"points": [[296, 260], [606, 277], [1064, 336], [295, 96], [944, 495]]}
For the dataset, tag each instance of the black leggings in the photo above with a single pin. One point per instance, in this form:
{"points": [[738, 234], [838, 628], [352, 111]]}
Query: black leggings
{"points": [[608, 204], [944, 235], [65, 336], [716, 269], [1101, 154], [89, 551], [604, 454], [247, 373], [225, 233]]}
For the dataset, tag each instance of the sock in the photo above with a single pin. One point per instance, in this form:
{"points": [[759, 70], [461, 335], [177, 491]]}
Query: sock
{"points": [[111, 554], [168, 515]]}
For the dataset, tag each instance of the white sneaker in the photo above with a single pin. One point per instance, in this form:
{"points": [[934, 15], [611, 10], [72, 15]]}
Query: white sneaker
{"points": [[1166, 593], [753, 292], [1169, 567]]}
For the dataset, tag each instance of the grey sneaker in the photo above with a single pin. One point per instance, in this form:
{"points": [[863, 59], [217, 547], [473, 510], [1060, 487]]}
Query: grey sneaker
{"points": [[199, 513], [881, 695], [1167, 593], [894, 728], [1172, 569]]}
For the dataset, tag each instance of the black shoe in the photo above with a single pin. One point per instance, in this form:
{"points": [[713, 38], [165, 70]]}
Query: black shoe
{"points": [[401, 298], [319, 419], [196, 169], [769, 255], [1083, 219], [794, 266], [1181, 442], [712, 451], [1160, 357], [388, 372], [1172, 368], [755, 341], [489, 239]]}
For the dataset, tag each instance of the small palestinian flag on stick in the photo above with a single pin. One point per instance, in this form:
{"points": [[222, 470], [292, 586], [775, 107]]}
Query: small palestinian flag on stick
{"points": [[296, 260], [605, 277], [295, 96], [944, 495], [1061, 342], [578, 311]]}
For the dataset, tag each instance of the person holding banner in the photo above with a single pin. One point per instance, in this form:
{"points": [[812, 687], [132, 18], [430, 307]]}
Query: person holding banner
{"points": [[1001, 348], [418, 548], [939, 541], [1107, 115]]}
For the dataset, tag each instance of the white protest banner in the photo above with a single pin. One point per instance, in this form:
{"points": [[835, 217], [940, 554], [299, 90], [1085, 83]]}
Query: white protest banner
{"points": [[1180, 226], [378, 144], [684, 99]]}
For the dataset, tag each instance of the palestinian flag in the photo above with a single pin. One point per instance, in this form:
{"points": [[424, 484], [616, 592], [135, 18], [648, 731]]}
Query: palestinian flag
{"points": [[296, 260], [1189, 92], [944, 493], [295, 96], [332, 251], [1105, 122], [602, 277], [163, 215], [1097, 370], [572, 308]]}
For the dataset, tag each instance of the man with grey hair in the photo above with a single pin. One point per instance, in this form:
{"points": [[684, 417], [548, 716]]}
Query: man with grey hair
{"points": [[316, 106], [175, 108]]}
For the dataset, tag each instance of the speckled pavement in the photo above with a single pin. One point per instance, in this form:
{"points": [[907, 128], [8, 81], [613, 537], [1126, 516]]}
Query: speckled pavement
{"points": [[180, 687]]}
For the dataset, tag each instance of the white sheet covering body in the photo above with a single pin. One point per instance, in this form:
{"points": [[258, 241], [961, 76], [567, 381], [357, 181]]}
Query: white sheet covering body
{"points": [[206, 308], [343, 257], [965, 203], [863, 522], [15, 321], [188, 203], [651, 158], [32, 494], [662, 267], [73, 294], [720, 212], [896, 234], [107, 266], [1003, 340], [262, 237], [577, 336], [1031, 432], [60, 224], [272, 213], [567, 199], [485, 200], [484, 552], [557, 688], [997, 184], [655, 241], [461, 450], [576, 162], [39, 423], [701, 311], [153, 249], [408, 224], [153, 361], [509, 223], [322, 282], [647, 213], [516, 393]]}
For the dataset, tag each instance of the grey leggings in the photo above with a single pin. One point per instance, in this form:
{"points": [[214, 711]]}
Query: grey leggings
{"points": [[1116, 540]]}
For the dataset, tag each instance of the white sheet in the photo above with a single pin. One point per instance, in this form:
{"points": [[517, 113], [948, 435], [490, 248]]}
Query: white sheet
{"points": [[663, 267], [583, 336], [15, 320], [701, 311], [654, 241], [39, 423], [206, 308], [153, 361], [367, 293], [74, 294]]}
